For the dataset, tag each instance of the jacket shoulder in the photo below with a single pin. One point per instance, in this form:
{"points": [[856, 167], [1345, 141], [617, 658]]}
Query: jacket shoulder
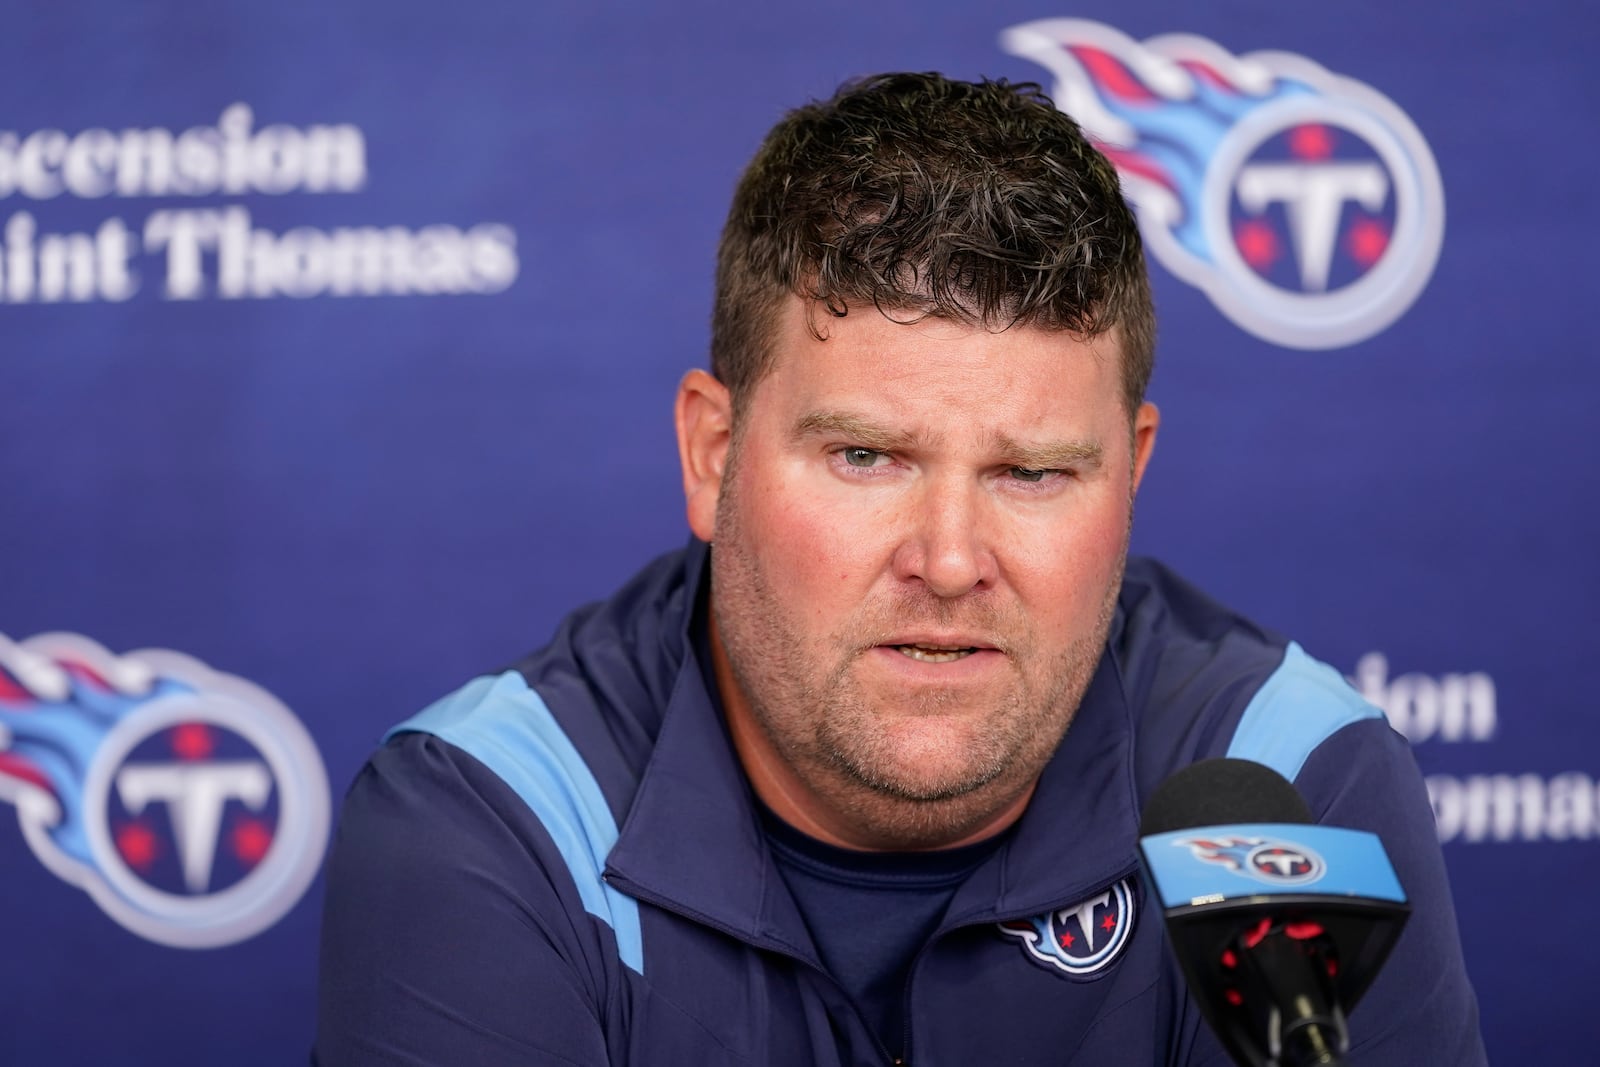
{"points": [[1204, 681], [584, 710]]}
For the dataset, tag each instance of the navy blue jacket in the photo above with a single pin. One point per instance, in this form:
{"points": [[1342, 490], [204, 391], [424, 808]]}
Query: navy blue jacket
{"points": [[564, 864]]}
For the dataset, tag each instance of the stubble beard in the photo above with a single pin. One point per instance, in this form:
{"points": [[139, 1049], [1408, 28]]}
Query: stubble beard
{"points": [[828, 731]]}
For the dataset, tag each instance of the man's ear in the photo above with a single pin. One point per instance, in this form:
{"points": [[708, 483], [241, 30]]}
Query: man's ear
{"points": [[1146, 421], [704, 416]]}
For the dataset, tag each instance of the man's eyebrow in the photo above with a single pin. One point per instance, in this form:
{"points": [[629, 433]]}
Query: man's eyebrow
{"points": [[859, 431], [1052, 455], [863, 433]]}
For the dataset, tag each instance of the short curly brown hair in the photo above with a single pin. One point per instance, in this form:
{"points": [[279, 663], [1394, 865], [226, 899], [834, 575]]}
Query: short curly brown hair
{"points": [[979, 202]]}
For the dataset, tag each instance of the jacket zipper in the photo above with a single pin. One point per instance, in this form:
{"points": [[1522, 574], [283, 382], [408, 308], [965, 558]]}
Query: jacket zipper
{"points": [[632, 890]]}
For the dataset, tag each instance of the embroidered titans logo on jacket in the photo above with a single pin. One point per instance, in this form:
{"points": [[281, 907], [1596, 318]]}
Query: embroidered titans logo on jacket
{"points": [[1306, 205], [1082, 939], [189, 804]]}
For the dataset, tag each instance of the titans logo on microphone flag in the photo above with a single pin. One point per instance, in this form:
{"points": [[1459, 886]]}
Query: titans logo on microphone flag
{"points": [[1082, 939], [1306, 205], [189, 804], [1264, 859]]}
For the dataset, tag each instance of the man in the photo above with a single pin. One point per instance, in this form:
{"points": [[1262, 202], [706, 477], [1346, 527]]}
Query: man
{"points": [[859, 783]]}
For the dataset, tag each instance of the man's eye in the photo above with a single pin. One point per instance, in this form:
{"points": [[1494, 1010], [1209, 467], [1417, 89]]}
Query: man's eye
{"points": [[1028, 474], [861, 457]]}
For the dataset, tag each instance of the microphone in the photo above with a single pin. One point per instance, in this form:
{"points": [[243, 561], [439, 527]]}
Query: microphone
{"points": [[1279, 924]]}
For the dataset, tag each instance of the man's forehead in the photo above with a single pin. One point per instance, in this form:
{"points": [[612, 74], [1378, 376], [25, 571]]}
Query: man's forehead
{"points": [[866, 348], [803, 324]]}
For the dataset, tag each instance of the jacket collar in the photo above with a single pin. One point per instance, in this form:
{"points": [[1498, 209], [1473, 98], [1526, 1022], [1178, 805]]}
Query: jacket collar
{"points": [[692, 841]]}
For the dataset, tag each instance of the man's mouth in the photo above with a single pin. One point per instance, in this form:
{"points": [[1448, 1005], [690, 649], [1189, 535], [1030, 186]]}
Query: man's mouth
{"points": [[934, 653]]}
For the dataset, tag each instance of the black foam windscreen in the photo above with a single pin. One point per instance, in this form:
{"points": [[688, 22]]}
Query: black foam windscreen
{"points": [[1217, 792]]}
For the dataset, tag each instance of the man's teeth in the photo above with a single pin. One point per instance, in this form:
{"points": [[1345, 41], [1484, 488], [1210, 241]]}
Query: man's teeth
{"points": [[927, 654]]}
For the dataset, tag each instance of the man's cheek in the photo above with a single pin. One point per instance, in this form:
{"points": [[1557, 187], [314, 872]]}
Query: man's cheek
{"points": [[1080, 546], [823, 533]]}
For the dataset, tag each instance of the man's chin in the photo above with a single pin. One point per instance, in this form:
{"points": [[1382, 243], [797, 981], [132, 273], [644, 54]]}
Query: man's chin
{"points": [[926, 772], [926, 791], [909, 809]]}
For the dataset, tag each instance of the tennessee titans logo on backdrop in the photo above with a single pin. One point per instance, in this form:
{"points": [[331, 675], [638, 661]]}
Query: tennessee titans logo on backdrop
{"points": [[1265, 860], [1306, 205], [1082, 939], [189, 804]]}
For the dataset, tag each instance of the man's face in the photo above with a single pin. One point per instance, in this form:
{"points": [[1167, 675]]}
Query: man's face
{"points": [[918, 538]]}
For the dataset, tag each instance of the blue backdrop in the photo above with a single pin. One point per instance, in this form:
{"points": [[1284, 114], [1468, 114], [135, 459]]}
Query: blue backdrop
{"points": [[337, 345]]}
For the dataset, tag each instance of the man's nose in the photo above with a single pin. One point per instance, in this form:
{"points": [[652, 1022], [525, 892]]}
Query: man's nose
{"points": [[945, 544]]}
